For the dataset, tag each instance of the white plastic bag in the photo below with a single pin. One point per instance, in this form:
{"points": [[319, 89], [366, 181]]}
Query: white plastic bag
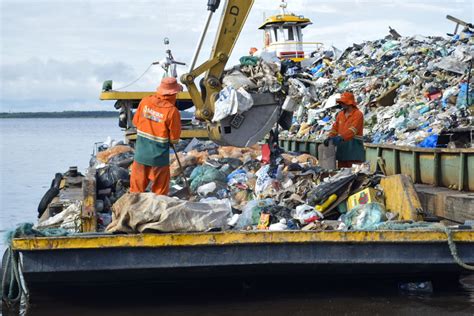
{"points": [[230, 102], [207, 188], [263, 179], [244, 100], [290, 104], [306, 214], [237, 80]]}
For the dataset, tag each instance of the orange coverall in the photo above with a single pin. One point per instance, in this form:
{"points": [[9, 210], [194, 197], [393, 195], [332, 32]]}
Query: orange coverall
{"points": [[350, 127], [158, 124]]}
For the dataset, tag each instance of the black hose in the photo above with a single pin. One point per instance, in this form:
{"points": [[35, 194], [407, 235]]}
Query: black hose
{"points": [[52, 192]]}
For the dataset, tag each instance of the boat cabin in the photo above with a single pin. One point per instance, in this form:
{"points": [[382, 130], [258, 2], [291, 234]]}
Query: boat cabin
{"points": [[283, 34]]}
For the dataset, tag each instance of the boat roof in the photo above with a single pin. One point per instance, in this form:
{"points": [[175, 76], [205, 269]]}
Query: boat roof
{"points": [[286, 18]]}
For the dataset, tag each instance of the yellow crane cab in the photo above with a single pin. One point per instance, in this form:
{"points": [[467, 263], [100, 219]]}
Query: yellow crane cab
{"points": [[283, 34]]}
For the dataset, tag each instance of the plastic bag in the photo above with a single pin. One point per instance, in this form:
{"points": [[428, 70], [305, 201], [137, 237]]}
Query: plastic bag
{"points": [[429, 142], [68, 219], [251, 212], [106, 155], [108, 176], [263, 179], [364, 216], [123, 160], [205, 174], [325, 189], [249, 60], [238, 175], [290, 104], [306, 214], [461, 101], [281, 225], [237, 80], [207, 188], [230, 102]]}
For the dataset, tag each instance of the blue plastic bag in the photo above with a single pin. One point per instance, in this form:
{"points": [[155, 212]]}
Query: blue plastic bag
{"points": [[429, 142]]}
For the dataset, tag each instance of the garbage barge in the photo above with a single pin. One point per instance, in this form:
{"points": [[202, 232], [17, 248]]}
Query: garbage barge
{"points": [[322, 222], [76, 241]]}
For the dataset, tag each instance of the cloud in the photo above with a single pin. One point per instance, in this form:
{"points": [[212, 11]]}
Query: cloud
{"points": [[58, 53], [46, 84]]}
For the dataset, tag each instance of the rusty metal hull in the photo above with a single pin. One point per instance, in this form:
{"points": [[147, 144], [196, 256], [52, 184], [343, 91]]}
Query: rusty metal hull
{"points": [[165, 257]]}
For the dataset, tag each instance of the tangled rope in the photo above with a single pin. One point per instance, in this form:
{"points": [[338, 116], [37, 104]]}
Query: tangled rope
{"points": [[13, 287]]}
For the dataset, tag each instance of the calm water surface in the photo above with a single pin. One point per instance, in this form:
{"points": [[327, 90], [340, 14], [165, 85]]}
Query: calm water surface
{"points": [[33, 150]]}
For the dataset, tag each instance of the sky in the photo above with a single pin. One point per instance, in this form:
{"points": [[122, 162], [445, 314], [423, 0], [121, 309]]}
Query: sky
{"points": [[55, 54]]}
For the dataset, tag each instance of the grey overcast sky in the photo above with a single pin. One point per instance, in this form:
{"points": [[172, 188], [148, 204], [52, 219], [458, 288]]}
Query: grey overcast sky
{"points": [[56, 54]]}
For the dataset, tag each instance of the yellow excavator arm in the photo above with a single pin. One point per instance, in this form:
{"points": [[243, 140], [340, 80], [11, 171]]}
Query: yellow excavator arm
{"points": [[255, 123], [232, 20]]}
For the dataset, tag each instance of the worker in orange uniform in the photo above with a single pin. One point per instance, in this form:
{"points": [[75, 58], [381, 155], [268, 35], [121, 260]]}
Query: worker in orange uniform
{"points": [[347, 133], [158, 124]]}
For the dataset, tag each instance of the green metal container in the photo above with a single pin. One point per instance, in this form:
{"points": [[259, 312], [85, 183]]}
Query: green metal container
{"points": [[451, 168]]}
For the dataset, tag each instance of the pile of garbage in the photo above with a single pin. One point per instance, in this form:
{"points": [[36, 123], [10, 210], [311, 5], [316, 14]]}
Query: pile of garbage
{"points": [[111, 162], [410, 89], [251, 192], [289, 192], [241, 189]]}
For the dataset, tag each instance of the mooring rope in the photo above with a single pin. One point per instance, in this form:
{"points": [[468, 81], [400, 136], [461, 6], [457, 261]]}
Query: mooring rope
{"points": [[13, 288], [454, 250]]}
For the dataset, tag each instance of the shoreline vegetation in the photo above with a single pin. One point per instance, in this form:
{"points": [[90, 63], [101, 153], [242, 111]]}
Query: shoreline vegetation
{"points": [[63, 114]]}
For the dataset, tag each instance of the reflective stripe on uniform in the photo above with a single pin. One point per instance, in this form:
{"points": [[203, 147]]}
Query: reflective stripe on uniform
{"points": [[152, 137]]}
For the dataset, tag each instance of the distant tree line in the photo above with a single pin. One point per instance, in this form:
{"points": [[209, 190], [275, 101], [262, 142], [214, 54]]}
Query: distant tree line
{"points": [[64, 114]]}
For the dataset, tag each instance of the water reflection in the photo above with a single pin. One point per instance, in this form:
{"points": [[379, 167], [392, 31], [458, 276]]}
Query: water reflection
{"points": [[287, 296]]}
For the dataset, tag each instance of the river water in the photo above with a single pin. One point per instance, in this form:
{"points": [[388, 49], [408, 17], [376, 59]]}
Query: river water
{"points": [[33, 150]]}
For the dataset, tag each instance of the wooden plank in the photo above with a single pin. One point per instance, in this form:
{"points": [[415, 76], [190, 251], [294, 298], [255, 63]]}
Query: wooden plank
{"points": [[88, 215], [401, 197]]}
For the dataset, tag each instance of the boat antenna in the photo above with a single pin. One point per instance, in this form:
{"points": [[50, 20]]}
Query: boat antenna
{"points": [[283, 6]]}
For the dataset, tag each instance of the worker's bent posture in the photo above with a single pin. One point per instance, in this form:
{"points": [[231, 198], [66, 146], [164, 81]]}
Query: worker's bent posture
{"points": [[347, 132], [158, 124]]}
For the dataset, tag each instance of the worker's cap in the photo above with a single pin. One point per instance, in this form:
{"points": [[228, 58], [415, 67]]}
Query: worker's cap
{"points": [[347, 98], [169, 86]]}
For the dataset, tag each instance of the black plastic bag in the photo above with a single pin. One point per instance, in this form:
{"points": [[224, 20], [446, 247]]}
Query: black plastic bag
{"points": [[108, 176], [123, 160]]}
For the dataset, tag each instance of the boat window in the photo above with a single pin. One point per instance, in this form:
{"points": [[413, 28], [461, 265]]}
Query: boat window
{"points": [[276, 34], [289, 33], [298, 34]]}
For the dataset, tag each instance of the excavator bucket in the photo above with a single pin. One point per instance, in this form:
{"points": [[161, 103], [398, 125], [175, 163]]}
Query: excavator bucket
{"points": [[246, 129]]}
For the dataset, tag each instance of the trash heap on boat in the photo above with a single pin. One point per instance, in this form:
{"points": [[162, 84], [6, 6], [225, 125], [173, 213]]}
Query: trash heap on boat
{"points": [[410, 89], [245, 189]]}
